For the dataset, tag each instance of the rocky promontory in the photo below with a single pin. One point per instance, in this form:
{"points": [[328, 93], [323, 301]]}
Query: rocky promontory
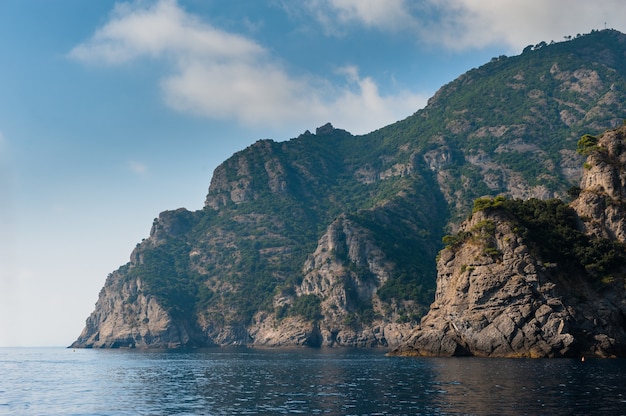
{"points": [[536, 278]]}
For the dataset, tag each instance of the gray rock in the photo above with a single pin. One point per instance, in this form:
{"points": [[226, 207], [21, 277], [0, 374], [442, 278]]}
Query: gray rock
{"points": [[495, 296]]}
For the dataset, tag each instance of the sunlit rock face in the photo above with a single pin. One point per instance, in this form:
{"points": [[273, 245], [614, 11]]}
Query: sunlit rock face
{"points": [[603, 187], [496, 296], [125, 317]]}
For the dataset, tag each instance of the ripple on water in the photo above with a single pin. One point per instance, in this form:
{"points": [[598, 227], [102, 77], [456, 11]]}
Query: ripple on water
{"points": [[252, 382]]}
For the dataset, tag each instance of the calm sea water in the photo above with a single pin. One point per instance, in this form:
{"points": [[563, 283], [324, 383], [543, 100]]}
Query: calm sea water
{"points": [[57, 381]]}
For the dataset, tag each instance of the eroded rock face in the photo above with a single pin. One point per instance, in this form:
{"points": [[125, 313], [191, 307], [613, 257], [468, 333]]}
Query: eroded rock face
{"points": [[601, 203], [492, 304], [126, 318], [344, 272], [497, 297], [493, 299]]}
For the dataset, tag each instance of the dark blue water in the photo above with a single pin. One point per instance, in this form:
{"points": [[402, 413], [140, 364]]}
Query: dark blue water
{"points": [[55, 381]]}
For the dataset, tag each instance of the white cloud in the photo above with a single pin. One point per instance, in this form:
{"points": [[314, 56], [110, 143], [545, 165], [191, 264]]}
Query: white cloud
{"points": [[462, 24], [221, 75], [518, 23], [355, 107], [161, 30], [334, 15]]}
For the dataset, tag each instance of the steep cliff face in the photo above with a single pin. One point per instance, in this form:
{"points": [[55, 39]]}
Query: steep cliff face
{"points": [[497, 298], [125, 317], [343, 275], [501, 293], [602, 200], [246, 271]]}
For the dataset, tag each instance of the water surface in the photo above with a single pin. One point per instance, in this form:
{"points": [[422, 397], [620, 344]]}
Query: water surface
{"points": [[57, 381]]}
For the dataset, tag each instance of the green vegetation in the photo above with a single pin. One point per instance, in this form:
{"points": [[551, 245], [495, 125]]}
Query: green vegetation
{"points": [[307, 306], [552, 226], [484, 203], [586, 144], [522, 113], [166, 277]]}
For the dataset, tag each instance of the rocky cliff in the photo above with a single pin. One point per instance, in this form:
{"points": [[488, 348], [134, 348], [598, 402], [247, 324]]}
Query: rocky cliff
{"points": [[330, 239], [344, 274], [244, 271], [601, 202], [341, 280], [125, 317], [506, 290]]}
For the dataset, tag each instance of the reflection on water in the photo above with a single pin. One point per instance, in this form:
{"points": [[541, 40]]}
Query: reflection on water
{"points": [[311, 382], [276, 382], [525, 386]]}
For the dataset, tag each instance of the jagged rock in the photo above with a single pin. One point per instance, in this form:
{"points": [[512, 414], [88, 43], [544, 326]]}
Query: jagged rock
{"points": [[125, 317], [497, 297], [602, 200], [499, 302], [292, 331], [344, 272]]}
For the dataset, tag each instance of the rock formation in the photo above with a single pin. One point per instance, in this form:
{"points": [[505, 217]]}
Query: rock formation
{"points": [[342, 276], [127, 318], [330, 239], [498, 296], [344, 273], [602, 200]]}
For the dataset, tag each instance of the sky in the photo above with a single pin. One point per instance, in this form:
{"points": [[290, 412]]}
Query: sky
{"points": [[114, 111]]}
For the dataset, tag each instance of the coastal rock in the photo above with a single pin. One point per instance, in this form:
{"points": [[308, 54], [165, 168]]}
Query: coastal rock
{"points": [[291, 331], [125, 317], [343, 273], [497, 297], [493, 299]]}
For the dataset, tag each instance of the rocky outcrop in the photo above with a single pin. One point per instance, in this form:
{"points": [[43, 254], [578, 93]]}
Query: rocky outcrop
{"points": [[493, 299], [125, 317], [497, 297], [233, 180], [343, 273], [602, 200]]}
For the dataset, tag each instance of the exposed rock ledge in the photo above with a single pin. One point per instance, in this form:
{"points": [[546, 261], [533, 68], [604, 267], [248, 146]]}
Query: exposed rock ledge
{"points": [[514, 305]]}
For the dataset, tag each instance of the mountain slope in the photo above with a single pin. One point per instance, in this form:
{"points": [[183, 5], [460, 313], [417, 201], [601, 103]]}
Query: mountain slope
{"points": [[511, 126], [330, 238]]}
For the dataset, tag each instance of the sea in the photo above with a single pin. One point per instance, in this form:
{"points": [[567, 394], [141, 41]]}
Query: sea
{"points": [[250, 381]]}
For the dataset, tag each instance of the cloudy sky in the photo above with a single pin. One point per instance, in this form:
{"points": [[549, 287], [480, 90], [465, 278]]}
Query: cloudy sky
{"points": [[111, 112]]}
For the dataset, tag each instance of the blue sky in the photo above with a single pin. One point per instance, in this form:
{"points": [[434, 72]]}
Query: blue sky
{"points": [[111, 112]]}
